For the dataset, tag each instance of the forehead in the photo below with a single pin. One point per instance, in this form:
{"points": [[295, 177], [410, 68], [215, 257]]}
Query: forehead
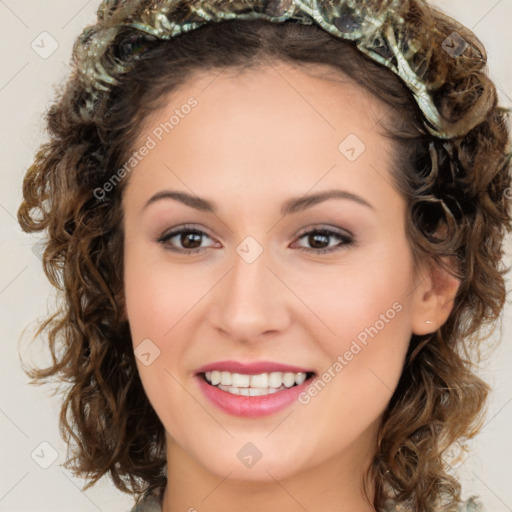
{"points": [[262, 125], [314, 93]]}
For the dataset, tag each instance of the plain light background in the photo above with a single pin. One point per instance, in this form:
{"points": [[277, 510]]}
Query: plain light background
{"points": [[29, 414]]}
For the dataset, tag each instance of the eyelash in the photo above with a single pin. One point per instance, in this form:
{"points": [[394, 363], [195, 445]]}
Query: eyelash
{"points": [[345, 239]]}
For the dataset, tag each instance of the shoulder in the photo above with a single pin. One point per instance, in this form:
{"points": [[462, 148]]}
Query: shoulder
{"points": [[148, 505], [472, 504], [151, 502]]}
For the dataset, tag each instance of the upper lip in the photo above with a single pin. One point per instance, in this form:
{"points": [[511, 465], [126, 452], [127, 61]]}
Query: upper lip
{"points": [[252, 368]]}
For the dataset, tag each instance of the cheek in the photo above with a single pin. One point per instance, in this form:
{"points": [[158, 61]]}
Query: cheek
{"points": [[368, 308], [358, 297], [365, 309], [160, 303], [160, 294]]}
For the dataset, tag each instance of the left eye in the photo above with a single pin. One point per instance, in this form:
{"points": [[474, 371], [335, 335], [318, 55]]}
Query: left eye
{"points": [[322, 236]]}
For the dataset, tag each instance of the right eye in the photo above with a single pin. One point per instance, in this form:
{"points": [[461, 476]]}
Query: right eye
{"points": [[188, 237]]}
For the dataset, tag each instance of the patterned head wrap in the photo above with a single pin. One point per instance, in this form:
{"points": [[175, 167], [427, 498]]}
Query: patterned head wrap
{"points": [[381, 29]]}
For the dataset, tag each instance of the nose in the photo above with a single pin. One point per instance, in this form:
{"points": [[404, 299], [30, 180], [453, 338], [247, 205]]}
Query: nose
{"points": [[251, 301]]}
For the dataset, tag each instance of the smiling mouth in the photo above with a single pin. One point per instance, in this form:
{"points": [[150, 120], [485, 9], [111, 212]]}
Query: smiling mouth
{"points": [[255, 385]]}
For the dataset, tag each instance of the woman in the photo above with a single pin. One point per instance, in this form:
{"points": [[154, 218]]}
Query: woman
{"points": [[278, 230]]}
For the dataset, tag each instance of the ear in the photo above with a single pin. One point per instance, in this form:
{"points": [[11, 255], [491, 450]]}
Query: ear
{"points": [[433, 296]]}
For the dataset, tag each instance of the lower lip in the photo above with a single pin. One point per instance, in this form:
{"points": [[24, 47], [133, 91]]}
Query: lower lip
{"points": [[251, 406]]}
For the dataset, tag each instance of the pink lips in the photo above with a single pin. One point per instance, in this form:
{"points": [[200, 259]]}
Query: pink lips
{"points": [[250, 406]]}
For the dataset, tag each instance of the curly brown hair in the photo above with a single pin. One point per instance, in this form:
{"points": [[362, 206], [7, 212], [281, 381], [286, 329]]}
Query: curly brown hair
{"points": [[456, 194]]}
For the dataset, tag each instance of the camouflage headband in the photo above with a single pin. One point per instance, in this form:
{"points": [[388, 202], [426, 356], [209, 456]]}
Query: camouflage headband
{"points": [[379, 29]]}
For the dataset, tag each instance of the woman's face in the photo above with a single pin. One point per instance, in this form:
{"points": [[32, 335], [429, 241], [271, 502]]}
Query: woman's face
{"points": [[261, 159]]}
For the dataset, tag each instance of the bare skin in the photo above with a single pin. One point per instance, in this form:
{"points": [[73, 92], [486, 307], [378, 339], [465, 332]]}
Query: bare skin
{"points": [[254, 141]]}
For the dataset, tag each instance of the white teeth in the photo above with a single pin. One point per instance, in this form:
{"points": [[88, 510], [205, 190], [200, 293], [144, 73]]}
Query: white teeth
{"points": [[225, 378], [301, 377], [215, 377], [275, 379], [250, 391], [289, 379], [267, 382], [259, 381], [239, 380]]}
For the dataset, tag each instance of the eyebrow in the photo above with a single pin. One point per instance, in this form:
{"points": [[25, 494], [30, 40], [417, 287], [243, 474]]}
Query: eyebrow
{"points": [[293, 205]]}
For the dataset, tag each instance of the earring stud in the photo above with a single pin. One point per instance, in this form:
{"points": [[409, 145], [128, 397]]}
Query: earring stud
{"points": [[428, 321]]}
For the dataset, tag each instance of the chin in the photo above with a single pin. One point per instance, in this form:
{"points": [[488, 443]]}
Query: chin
{"points": [[251, 461]]}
